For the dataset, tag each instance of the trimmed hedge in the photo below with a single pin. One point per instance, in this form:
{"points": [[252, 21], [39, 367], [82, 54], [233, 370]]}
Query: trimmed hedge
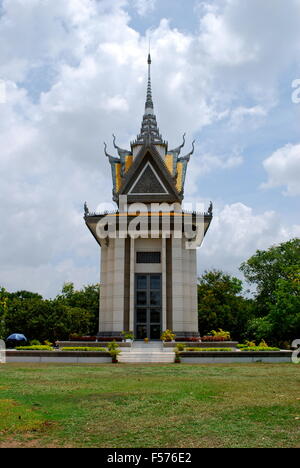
{"points": [[34, 348], [208, 350], [257, 348], [93, 349]]}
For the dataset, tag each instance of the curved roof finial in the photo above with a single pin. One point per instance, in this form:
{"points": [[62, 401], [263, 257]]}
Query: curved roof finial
{"points": [[112, 159], [188, 156], [122, 152], [177, 151]]}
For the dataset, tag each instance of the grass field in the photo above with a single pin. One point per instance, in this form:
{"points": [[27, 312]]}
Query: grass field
{"points": [[166, 406]]}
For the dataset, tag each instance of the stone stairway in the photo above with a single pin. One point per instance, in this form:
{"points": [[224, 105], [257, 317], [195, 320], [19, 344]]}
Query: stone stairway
{"points": [[147, 352]]}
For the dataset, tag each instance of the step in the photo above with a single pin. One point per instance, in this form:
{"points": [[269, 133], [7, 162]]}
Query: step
{"points": [[149, 356], [147, 346]]}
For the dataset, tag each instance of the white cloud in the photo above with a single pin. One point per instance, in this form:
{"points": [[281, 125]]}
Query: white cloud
{"points": [[234, 32], [222, 43], [283, 169], [236, 232], [144, 6], [248, 45], [209, 162], [254, 114], [92, 65], [202, 164]]}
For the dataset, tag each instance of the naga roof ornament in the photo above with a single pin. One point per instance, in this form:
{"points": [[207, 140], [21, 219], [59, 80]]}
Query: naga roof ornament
{"points": [[176, 152]]}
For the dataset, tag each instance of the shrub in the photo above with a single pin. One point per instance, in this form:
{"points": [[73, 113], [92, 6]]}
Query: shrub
{"points": [[34, 348], [221, 334], [168, 335], [180, 347], [250, 344], [128, 335], [114, 355], [112, 346], [263, 344], [35, 343], [259, 348], [177, 355], [114, 351]]}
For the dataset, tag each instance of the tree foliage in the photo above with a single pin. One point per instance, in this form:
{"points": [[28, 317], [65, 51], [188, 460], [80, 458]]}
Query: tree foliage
{"points": [[267, 267], [276, 273], [86, 298], [282, 323], [70, 312], [221, 305]]}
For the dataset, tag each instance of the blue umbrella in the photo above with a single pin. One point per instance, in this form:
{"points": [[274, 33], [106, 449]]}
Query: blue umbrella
{"points": [[17, 337]]}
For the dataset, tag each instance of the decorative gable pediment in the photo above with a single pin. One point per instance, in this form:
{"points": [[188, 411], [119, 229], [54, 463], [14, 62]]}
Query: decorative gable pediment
{"points": [[148, 183], [148, 180]]}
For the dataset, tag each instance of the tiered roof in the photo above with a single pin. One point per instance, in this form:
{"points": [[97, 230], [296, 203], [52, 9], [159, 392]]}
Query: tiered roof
{"points": [[149, 140]]}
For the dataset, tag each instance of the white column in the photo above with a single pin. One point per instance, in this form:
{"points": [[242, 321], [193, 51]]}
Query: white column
{"points": [[107, 316], [186, 269], [132, 281], [118, 285], [177, 285], [103, 287], [194, 291], [164, 283]]}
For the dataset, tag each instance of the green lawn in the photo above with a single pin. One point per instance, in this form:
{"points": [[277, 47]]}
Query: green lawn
{"points": [[176, 405]]}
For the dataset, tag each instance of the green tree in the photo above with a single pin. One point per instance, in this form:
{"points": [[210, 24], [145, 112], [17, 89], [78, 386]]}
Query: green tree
{"points": [[221, 304], [282, 324], [266, 267], [46, 319], [86, 298], [3, 313], [28, 313]]}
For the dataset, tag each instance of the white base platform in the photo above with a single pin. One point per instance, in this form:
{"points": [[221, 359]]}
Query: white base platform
{"points": [[147, 352]]}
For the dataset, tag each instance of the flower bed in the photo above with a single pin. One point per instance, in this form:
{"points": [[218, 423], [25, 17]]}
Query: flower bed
{"points": [[82, 338], [192, 339], [213, 338]]}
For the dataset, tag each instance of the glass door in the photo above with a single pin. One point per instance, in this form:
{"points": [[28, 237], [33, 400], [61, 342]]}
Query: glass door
{"points": [[148, 306]]}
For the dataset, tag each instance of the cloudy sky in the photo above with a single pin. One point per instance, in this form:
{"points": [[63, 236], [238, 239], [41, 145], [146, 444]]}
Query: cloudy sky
{"points": [[72, 72]]}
